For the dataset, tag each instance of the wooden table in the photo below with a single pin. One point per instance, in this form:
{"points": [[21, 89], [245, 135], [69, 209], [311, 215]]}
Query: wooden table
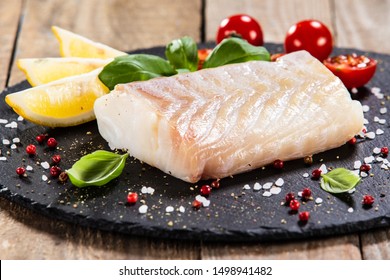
{"points": [[127, 25]]}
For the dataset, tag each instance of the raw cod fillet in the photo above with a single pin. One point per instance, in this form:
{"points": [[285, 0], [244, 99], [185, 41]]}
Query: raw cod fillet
{"points": [[223, 121]]}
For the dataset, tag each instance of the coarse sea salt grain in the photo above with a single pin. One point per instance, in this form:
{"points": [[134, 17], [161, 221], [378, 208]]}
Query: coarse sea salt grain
{"points": [[376, 150], [365, 108], [20, 118], [182, 209], [169, 209], [369, 159], [383, 110], [45, 165], [350, 210], [319, 200], [379, 131], [352, 190], [3, 121], [257, 186], [384, 166], [6, 142], [16, 140], [379, 159], [29, 168], [267, 185], [370, 135], [3, 158], [323, 169], [144, 190], [150, 190], [363, 174], [365, 121], [143, 209], [357, 164], [12, 125], [13, 146], [246, 187], [267, 194], [306, 175], [275, 190], [44, 178], [206, 203], [279, 182]]}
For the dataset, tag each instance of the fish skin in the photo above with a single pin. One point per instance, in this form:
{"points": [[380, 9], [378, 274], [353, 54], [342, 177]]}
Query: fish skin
{"points": [[218, 122]]}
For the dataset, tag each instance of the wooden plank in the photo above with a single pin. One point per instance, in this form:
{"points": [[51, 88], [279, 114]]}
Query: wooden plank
{"points": [[22, 229], [376, 245], [275, 17], [10, 14], [121, 24], [363, 24], [345, 247]]}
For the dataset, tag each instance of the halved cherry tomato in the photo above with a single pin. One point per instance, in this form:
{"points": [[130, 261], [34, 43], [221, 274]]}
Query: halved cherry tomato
{"points": [[202, 55], [353, 70], [310, 35], [242, 26]]}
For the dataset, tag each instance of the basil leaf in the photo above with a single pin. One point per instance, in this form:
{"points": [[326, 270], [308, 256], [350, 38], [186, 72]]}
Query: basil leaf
{"points": [[183, 53], [235, 50], [96, 169], [135, 67], [339, 180]]}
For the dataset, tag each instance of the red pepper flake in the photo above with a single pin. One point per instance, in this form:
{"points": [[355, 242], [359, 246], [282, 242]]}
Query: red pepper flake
{"points": [[316, 173], [132, 197], [365, 168], [20, 171], [63, 177], [205, 190], [196, 204], [304, 216], [215, 184], [55, 171], [40, 138], [51, 142], [56, 159], [352, 141], [289, 197], [306, 193], [294, 205], [278, 164], [385, 151], [31, 149], [368, 200]]}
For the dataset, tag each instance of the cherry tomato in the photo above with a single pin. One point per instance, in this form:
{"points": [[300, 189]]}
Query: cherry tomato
{"points": [[352, 69], [202, 55], [243, 26], [310, 35]]}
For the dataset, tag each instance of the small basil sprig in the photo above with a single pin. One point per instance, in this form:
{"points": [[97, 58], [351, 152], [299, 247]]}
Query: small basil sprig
{"points": [[339, 180], [97, 168], [135, 67], [183, 54], [235, 50]]}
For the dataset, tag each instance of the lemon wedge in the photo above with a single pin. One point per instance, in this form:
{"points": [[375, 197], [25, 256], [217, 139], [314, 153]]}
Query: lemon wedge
{"points": [[41, 71], [65, 102], [75, 45]]}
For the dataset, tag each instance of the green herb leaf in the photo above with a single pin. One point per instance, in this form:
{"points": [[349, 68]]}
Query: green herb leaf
{"points": [[135, 67], [235, 50], [183, 53], [96, 169], [339, 180]]}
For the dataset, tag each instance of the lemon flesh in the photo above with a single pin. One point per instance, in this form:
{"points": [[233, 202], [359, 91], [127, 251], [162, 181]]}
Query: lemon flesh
{"points": [[65, 102], [75, 45]]}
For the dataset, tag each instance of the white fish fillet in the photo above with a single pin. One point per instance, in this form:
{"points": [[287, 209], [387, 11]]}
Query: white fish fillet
{"points": [[219, 122]]}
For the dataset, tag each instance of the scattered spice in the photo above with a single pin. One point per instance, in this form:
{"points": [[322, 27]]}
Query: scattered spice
{"points": [[55, 171], [294, 205], [304, 216], [20, 171], [316, 174], [278, 164], [205, 190], [306, 193], [132, 197], [52, 143]]}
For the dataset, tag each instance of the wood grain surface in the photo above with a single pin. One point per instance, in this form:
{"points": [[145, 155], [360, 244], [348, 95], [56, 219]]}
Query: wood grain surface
{"points": [[127, 25]]}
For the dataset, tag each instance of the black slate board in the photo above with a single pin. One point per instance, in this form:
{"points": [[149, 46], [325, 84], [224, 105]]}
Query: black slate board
{"points": [[234, 214]]}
